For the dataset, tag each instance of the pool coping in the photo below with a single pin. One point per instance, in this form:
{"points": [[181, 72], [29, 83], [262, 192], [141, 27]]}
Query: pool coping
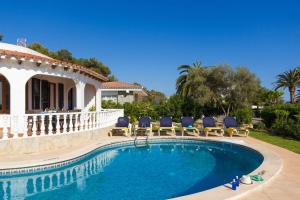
{"points": [[272, 164]]}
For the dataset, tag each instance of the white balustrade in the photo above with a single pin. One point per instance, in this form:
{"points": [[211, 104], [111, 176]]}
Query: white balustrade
{"points": [[65, 126], [42, 125], [38, 125], [34, 125], [50, 127]]}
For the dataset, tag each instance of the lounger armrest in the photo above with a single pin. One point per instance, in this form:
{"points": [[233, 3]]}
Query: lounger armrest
{"points": [[129, 127]]}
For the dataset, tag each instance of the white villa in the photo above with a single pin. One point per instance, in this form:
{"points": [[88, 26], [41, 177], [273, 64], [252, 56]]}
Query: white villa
{"points": [[121, 92], [42, 96]]}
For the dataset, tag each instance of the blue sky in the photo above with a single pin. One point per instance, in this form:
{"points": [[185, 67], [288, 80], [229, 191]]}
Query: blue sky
{"points": [[144, 41]]}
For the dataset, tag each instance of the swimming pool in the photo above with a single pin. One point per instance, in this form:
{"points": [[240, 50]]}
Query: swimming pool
{"points": [[160, 169]]}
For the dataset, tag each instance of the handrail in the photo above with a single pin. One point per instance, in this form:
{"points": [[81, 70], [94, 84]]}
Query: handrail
{"points": [[146, 141], [36, 125]]}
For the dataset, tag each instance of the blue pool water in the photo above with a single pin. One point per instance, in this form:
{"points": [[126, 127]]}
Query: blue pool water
{"points": [[160, 170]]}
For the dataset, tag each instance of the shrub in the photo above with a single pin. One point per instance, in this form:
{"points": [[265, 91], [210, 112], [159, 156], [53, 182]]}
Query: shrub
{"points": [[268, 114], [284, 119], [289, 129], [244, 115], [92, 108], [259, 126], [111, 105]]}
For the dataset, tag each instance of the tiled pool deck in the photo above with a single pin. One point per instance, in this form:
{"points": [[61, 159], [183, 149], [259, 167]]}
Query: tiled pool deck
{"points": [[282, 168]]}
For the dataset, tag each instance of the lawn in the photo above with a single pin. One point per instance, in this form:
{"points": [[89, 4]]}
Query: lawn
{"points": [[290, 144]]}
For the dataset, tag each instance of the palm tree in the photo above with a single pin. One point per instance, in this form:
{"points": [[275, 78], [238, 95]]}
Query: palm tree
{"points": [[289, 79], [183, 85], [298, 96]]}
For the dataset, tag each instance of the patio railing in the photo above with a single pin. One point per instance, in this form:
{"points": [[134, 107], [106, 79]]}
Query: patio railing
{"points": [[36, 125]]}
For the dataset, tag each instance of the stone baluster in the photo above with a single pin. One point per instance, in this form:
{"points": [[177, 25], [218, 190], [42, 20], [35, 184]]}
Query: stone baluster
{"points": [[94, 120], [14, 132], [56, 127], [50, 128], [89, 118], [34, 126], [82, 118], [42, 125], [98, 119], [85, 121], [72, 125], [5, 120], [78, 119], [25, 127], [65, 126]]}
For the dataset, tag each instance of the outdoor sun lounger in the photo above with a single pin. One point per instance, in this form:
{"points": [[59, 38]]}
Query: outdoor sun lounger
{"points": [[165, 124], [187, 124], [209, 126], [144, 126], [122, 126], [232, 127]]}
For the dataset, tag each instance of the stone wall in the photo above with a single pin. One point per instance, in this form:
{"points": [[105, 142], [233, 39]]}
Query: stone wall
{"points": [[46, 144]]}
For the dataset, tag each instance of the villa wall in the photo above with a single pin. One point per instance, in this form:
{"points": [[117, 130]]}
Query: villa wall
{"points": [[89, 96], [68, 84], [18, 74], [47, 144], [125, 97], [118, 96], [110, 96]]}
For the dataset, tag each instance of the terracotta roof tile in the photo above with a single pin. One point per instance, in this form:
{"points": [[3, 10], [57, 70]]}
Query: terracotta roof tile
{"points": [[119, 85], [52, 61]]}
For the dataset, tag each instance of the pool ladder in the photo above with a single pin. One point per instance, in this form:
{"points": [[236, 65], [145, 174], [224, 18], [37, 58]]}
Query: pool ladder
{"points": [[141, 143]]}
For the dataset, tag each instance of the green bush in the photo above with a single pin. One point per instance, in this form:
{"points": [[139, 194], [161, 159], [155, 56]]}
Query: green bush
{"points": [[283, 119], [268, 114], [92, 109], [244, 115], [259, 126], [111, 105], [289, 129]]}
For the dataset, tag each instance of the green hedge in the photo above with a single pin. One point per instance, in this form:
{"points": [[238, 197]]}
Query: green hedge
{"points": [[244, 116], [283, 119], [268, 114]]}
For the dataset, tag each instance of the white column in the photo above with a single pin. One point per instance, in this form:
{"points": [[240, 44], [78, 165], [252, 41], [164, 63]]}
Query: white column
{"points": [[17, 105], [98, 99], [80, 95]]}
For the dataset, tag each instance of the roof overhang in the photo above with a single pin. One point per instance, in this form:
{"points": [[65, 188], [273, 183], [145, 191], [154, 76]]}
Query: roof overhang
{"points": [[121, 89], [50, 62]]}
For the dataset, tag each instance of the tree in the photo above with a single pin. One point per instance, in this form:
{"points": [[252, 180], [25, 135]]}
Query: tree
{"points": [[232, 89], [112, 78], [39, 48], [155, 96], [191, 83], [94, 64], [65, 55], [220, 80], [1, 36], [289, 79], [220, 86], [246, 85], [266, 97]]}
